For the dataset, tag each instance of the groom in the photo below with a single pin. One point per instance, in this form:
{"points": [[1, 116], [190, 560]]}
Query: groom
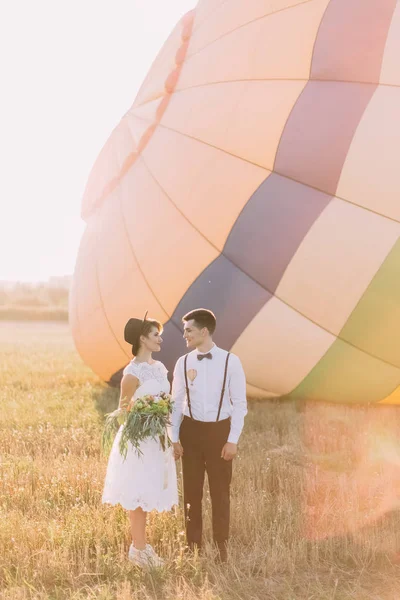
{"points": [[209, 392]]}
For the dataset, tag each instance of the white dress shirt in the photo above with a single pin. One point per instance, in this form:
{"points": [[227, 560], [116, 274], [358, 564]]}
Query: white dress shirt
{"points": [[205, 391]]}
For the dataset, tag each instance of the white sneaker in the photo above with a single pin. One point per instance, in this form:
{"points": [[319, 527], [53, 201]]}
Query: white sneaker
{"points": [[145, 558]]}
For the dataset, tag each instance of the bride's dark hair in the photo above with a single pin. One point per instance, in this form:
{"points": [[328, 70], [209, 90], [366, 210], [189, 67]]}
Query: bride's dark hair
{"points": [[146, 329]]}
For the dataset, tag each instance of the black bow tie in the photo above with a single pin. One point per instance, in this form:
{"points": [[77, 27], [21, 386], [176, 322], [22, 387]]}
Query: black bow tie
{"points": [[201, 356]]}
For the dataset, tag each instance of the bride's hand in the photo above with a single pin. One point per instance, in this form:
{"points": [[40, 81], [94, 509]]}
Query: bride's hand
{"points": [[123, 404]]}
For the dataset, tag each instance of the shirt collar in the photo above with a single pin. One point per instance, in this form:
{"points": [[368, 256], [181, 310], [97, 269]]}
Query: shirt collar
{"points": [[212, 351]]}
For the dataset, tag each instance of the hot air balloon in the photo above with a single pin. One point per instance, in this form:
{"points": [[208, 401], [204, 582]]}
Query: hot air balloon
{"points": [[257, 174]]}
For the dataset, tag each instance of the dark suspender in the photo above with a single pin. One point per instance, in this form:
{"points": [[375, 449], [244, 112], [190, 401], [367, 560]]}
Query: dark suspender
{"points": [[222, 392], [223, 385], [187, 388]]}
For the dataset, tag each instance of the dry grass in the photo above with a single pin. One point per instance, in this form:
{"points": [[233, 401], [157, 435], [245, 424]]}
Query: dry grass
{"points": [[34, 313], [57, 541]]}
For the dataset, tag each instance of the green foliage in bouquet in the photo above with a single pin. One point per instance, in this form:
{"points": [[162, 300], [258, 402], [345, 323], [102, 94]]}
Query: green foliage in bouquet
{"points": [[143, 418]]}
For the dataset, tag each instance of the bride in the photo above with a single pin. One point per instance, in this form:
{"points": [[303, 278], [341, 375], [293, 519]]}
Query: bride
{"points": [[147, 482]]}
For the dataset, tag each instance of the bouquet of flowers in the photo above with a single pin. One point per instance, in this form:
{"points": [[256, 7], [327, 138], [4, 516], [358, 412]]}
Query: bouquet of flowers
{"points": [[145, 417]]}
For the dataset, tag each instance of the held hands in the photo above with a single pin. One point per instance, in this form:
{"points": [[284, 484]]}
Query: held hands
{"points": [[229, 451], [178, 450]]}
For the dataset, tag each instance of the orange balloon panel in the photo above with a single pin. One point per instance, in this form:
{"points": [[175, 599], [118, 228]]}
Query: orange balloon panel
{"points": [[172, 271], [390, 73], [343, 234], [371, 175], [85, 282], [225, 19], [256, 174], [278, 46], [198, 175], [153, 86], [236, 117]]}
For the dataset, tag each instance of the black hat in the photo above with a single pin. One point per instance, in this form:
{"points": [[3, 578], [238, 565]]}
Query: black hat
{"points": [[133, 329]]}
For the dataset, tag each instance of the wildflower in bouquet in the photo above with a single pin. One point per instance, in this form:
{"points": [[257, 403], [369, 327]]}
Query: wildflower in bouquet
{"points": [[140, 419]]}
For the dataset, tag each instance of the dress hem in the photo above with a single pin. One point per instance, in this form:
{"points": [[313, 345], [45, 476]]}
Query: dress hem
{"points": [[142, 505]]}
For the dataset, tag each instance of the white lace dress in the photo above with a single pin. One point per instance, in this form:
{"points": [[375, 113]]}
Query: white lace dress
{"points": [[148, 480]]}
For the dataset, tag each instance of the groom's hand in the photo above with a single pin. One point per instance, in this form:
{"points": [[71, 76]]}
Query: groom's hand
{"points": [[178, 450], [229, 451]]}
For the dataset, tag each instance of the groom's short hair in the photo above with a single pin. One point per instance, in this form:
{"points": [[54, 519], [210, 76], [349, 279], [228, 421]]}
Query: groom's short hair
{"points": [[203, 318]]}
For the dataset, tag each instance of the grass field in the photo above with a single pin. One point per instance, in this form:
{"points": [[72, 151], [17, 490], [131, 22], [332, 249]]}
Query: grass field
{"points": [[292, 486]]}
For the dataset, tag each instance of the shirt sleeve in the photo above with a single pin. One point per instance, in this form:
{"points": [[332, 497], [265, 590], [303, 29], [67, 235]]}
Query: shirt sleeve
{"points": [[237, 393], [178, 397]]}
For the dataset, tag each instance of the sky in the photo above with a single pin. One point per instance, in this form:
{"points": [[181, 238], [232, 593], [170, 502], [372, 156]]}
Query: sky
{"points": [[70, 70]]}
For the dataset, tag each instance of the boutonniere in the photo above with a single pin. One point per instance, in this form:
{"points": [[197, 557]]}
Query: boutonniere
{"points": [[192, 374]]}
